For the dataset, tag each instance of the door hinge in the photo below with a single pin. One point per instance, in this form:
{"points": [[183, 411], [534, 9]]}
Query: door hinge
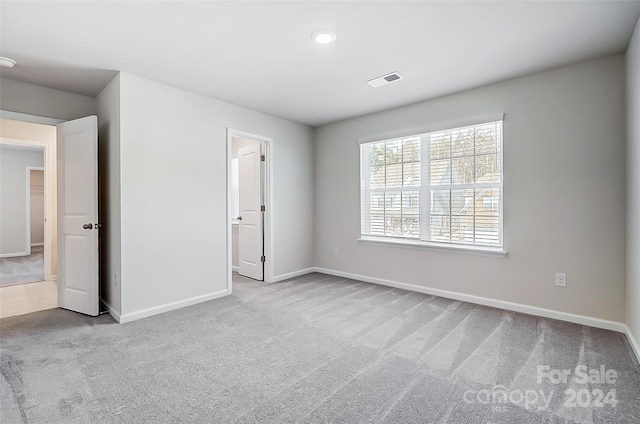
{"points": [[263, 158], [262, 259], [263, 208]]}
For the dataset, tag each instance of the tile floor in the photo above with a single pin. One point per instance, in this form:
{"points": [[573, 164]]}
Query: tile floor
{"points": [[27, 298]]}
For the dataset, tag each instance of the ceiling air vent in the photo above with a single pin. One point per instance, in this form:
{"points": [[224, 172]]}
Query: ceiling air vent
{"points": [[385, 79]]}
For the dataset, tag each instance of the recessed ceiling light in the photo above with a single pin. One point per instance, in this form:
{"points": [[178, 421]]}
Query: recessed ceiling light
{"points": [[323, 36], [5, 62]]}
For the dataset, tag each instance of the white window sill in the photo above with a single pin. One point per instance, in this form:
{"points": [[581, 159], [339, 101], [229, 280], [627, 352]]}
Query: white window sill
{"points": [[411, 244]]}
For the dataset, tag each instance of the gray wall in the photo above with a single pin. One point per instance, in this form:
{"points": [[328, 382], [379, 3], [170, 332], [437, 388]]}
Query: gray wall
{"points": [[108, 106], [564, 206], [173, 192], [13, 198], [16, 96], [633, 185]]}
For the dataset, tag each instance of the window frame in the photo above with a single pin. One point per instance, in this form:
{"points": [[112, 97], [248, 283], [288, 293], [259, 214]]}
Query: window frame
{"points": [[424, 240]]}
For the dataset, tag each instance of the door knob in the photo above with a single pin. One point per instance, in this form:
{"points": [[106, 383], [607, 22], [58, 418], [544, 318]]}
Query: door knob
{"points": [[87, 226], [239, 218]]}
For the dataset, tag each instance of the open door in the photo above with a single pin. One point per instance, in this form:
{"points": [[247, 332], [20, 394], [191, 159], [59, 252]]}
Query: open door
{"points": [[250, 236], [78, 226]]}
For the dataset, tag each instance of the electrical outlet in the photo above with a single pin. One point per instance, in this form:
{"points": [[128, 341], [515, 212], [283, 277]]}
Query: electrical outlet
{"points": [[561, 279], [336, 251], [115, 280]]}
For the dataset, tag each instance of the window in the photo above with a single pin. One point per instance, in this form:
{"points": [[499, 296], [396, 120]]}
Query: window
{"points": [[435, 188]]}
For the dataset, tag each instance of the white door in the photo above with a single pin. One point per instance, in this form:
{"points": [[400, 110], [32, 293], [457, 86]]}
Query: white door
{"points": [[250, 245], [77, 147]]}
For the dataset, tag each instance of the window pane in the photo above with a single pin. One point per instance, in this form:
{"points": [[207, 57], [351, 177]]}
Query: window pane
{"points": [[458, 202], [394, 151], [488, 202], [376, 164], [486, 138], [440, 202], [488, 217], [393, 225], [410, 203], [410, 226], [440, 145], [377, 203], [411, 174], [487, 168], [463, 170], [487, 230], [440, 228], [393, 202], [411, 149], [462, 229], [377, 224], [376, 154], [376, 177], [462, 142], [394, 175], [440, 172]]}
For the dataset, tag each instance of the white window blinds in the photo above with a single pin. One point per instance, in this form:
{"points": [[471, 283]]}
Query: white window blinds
{"points": [[442, 187]]}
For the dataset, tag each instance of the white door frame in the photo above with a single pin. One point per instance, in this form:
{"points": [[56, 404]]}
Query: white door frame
{"points": [[49, 200], [28, 206], [268, 217]]}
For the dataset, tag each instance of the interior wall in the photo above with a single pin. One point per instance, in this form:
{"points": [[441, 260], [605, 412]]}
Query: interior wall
{"points": [[17, 96], [27, 130], [13, 199], [37, 207], [173, 191], [633, 186], [564, 193], [108, 106]]}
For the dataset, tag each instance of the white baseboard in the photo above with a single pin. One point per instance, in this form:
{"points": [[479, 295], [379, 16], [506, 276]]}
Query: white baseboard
{"points": [[501, 304], [293, 274], [37, 244], [235, 268], [633, 342], [13, 255], [144, 313]]}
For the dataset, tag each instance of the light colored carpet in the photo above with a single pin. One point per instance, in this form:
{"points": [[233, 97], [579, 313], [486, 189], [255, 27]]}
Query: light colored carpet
{"points": [[22, 269], [314, 349]]}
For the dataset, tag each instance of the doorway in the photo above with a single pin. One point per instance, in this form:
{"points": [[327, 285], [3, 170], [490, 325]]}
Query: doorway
{"points": [[28, 244], [249, 230], [71, 199]]}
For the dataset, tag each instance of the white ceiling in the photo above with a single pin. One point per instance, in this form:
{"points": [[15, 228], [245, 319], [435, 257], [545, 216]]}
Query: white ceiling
{"points": [[260, 55]]}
